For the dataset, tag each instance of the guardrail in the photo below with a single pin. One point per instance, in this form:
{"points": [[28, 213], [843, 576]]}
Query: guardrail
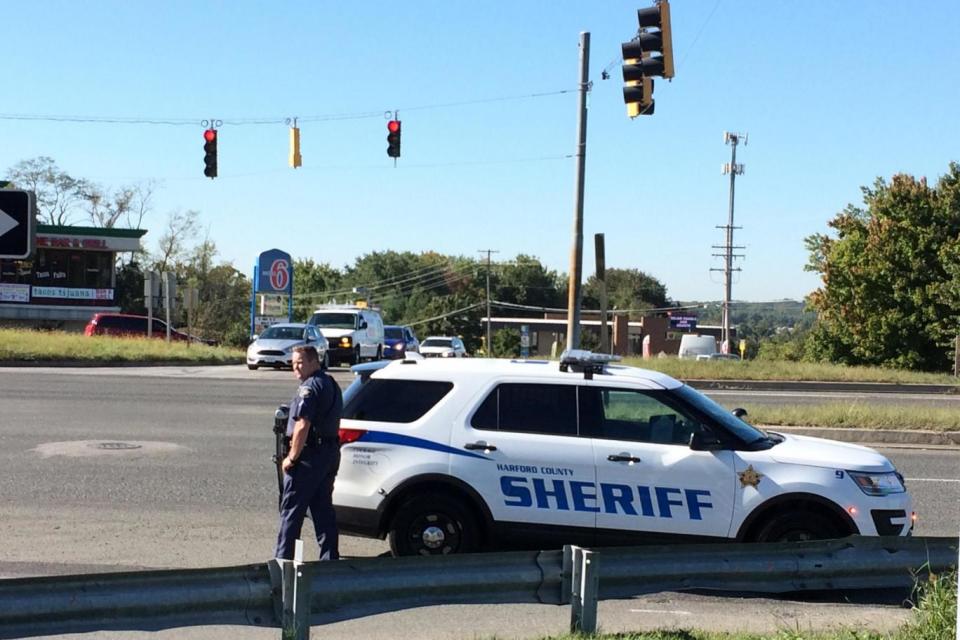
{"points": [[293, 595]]}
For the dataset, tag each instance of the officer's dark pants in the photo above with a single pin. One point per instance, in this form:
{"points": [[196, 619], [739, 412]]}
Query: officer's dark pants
{"points": [[309, 485]]}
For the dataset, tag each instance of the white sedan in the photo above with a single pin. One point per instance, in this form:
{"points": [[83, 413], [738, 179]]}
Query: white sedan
{"points": [[274, 347], [443, 347]]}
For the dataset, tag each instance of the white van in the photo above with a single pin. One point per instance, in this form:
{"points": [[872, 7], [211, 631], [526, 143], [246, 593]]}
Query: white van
{"points": [[692, 347], [353, 333]]}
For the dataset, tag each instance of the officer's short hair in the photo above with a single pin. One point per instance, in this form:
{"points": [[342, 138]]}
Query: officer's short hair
{"points": [[308, 352]]}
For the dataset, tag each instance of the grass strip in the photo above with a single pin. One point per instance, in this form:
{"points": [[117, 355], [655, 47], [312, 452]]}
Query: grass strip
{"points": [[856, 415], [781, 370], [20, 345]]}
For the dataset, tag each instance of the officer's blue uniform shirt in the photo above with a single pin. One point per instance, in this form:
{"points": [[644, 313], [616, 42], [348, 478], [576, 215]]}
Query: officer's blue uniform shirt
{"points": [[317, 400]]}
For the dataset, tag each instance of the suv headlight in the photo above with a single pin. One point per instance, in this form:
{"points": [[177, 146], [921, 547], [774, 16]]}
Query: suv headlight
{"points": [[878, 484]]}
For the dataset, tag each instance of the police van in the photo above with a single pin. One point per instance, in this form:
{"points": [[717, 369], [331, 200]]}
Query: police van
{"points": [[450, 456]]}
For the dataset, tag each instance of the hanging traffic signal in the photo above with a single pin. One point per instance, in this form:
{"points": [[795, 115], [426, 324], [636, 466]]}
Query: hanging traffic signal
{"points": [[210, 153], [393, 138], [296, 160], [649, 54]]}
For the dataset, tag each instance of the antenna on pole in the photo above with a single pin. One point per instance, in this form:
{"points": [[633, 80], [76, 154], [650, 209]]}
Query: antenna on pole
{"points": [[734, 169]]}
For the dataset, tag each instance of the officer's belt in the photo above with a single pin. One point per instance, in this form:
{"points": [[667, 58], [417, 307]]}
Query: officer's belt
{"points": [[314, 442]]}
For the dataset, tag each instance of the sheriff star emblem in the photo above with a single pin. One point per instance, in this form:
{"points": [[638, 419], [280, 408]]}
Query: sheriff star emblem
{"points": [[749, 477]]}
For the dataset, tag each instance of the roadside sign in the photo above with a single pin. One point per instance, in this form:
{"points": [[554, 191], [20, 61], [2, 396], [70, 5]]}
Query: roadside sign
{"points": [[17, 228]]}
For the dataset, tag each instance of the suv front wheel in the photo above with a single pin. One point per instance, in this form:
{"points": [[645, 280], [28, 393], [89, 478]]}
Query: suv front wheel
{"points": [[433, 524]]}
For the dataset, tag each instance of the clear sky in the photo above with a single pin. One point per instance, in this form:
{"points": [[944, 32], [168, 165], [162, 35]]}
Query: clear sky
{"points": [[833, 95]]}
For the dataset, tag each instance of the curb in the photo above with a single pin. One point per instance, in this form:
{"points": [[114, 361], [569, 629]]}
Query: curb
{"points": [[874, 436], [798, 385]]}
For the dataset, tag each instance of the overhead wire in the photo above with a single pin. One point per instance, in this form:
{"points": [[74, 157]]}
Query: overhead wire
{"points": [[270, 120]]}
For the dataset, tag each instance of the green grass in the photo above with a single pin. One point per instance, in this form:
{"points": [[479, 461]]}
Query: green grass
{"points": [[855, 415], [18, 345], [934, 618], [801, 371]]}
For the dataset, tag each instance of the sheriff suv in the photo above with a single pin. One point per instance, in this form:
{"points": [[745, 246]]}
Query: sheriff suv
{"points": [[444, 456]]}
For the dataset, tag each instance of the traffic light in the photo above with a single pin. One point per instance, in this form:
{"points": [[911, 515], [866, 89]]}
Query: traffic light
{"points": [[210, 153], [296, 159], [649, 54], [393, 138]]}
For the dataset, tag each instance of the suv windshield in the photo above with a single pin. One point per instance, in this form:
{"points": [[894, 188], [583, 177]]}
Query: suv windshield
{"points": [[437, 342], [334, 320], [394, 333], [745, 432], [282, 333]]}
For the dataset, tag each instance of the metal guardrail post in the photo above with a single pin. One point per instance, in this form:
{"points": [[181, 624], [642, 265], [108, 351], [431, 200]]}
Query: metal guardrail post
{"points": [[291, 595], [584, 582]]}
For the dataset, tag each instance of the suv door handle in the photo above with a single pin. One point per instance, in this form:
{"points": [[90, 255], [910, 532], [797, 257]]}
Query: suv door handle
{"points": [[622, 458], [479, 446]]}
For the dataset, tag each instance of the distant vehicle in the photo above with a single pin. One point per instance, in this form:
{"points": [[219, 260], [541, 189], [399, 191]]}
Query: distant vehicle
{"points": [[134, 326], [398, 341], [693, 346], [353, 333], [443, 347], [274, 347], [720, 356]]}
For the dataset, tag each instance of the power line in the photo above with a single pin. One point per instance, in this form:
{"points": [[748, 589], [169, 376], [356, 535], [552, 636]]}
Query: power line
{"points": [[327, 117]]}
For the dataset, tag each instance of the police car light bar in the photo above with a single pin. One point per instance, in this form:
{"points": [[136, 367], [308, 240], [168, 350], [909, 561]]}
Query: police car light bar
{"points": [[588, 361]]}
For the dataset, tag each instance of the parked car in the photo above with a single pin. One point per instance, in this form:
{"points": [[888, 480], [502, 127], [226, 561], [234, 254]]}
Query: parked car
{"points": [[134, 326], [443, 347], [398, 341], [442, 457], [352, 333], [274, 347]]}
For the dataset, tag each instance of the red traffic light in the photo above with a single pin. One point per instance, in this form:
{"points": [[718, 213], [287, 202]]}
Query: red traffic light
{"points": [[393, 126], [210, 135]]}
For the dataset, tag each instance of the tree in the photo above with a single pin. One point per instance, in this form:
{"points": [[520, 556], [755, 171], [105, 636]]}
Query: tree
{"points": [[105, 208], [59, 194], [173, 245], [224, 292], [313, 284], [524, 280], [626, 289], [889, 293]]}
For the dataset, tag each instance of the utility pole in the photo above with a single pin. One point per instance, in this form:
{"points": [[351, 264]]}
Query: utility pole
{"points": [[576, 252], [489, 345], [734, 169]]}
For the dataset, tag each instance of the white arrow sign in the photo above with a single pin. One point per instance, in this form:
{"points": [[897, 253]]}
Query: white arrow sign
{"points": [[6, 222]]}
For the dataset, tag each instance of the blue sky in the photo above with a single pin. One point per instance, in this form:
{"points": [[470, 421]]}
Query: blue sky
{"points": [[832, 94]]}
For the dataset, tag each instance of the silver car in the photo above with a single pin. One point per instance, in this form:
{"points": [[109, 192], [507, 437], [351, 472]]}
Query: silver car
{"points": [[274, 347], [443, 347]]}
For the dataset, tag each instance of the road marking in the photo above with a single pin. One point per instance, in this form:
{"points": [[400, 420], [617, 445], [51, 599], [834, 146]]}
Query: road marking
{"points": [[931, 480], [673, 612]]}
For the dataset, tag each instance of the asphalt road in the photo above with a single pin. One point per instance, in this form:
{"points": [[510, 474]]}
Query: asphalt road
{"points": [[200, 491]]}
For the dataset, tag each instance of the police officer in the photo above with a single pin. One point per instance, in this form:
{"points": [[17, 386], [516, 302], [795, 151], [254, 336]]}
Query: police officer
{"points": [[311, 465]]}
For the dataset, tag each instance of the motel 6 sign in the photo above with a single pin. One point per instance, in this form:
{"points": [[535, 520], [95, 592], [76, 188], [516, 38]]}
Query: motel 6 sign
{"points": [[274, 268], [17, 227]]}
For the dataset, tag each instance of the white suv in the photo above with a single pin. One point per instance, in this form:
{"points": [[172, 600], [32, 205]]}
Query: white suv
{"points": [[451, 457]]}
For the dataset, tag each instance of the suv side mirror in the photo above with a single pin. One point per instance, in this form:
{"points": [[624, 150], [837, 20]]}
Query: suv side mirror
{"points": [[739, 412], [362, 324], [704, 441]]}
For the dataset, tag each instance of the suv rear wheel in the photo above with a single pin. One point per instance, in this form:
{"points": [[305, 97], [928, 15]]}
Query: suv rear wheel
{"points": [[433, 524]]}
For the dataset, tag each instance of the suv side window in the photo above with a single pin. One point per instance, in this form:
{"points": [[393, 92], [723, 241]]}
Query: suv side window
{"points": [[529, 408], [401, 401], [636, 416]]}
